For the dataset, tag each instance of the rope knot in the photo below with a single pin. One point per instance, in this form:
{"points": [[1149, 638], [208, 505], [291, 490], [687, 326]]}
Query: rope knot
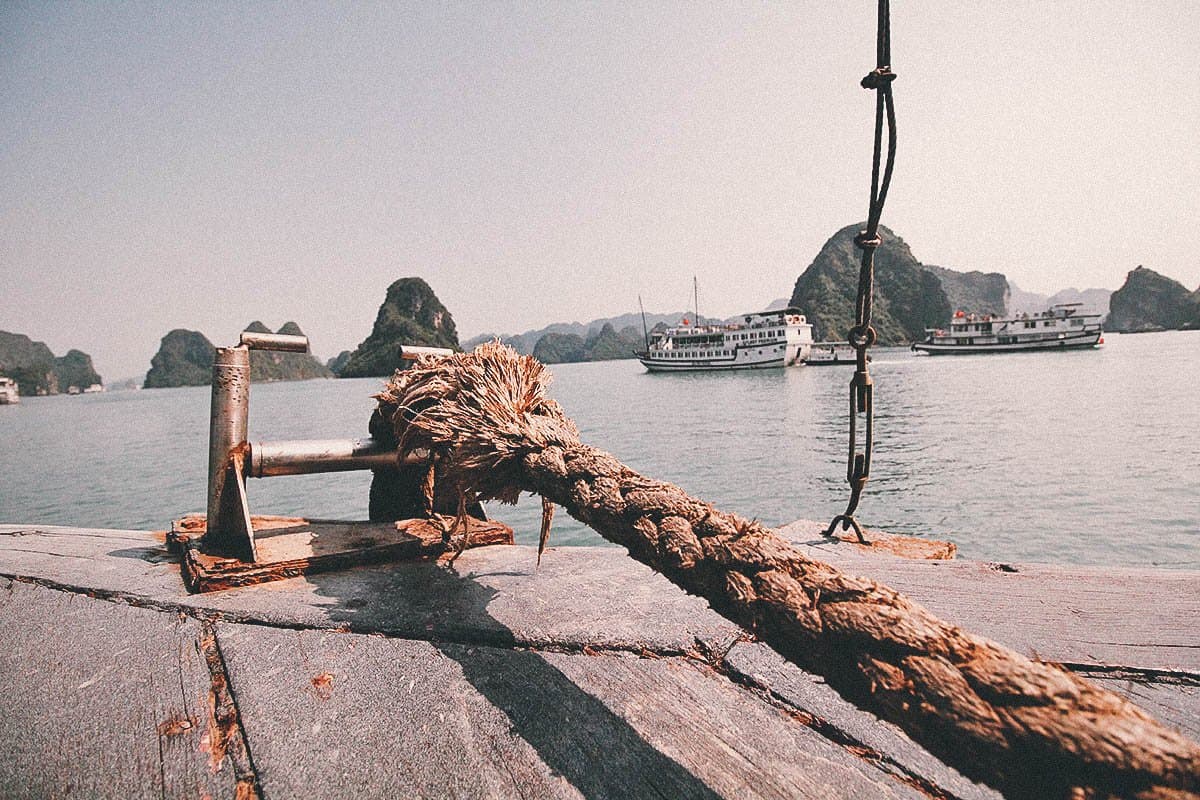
{"points": [[878, 78], [858, 337], [867, 243]]}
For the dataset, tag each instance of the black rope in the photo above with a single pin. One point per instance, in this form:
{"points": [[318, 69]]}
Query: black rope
{"points": [[862, 336]]}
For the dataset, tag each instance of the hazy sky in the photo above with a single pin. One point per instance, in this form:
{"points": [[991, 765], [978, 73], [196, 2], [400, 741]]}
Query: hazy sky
{"points": [[201, 165]]}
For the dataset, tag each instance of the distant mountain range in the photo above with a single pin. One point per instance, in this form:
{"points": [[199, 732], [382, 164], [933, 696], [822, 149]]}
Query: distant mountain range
{"points": [[910, 296], [525, 343], [1095, 301]]}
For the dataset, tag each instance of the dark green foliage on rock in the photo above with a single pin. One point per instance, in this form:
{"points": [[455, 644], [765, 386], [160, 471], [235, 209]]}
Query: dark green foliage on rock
{"points": [[75, 369], [1152, 302], [184, 358], [560, 348], [908, 297], [973, 292], [522, 343], [606, 344], [36, 370], [609, 345], [31, 364], [629, 326], [269, 365], [338, 363], [411, 314]]}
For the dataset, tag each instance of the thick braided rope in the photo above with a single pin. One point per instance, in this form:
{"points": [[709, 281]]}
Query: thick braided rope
{"points": [[1027, 728]]}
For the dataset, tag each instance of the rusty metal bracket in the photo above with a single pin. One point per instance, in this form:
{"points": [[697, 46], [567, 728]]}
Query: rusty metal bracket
{"points": [[292, 546], [224, 541]]}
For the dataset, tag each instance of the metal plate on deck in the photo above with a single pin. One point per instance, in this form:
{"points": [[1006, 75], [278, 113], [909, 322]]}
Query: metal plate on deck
{"points": [[292, 546]]}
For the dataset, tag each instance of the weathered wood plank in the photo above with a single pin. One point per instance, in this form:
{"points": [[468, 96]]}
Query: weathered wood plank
{"points": [[1174, 702], [1077, 615], [577, 597], [135, 562], [758, 665], [326, 711], [1127, 617], [627, 606], [593, 598], [103, 700]]}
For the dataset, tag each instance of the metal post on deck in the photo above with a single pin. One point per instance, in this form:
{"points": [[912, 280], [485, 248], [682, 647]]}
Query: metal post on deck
{"points": [[220, 551], [228, 531]]}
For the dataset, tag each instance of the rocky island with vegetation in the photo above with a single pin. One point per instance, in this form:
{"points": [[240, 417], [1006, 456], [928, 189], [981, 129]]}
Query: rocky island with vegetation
{"points": [[271, 365], [410, 314], [38, 371], [908, 297], [607, 344], [1149, 301], [185, 358]]}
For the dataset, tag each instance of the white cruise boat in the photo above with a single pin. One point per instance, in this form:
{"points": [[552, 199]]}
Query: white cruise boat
{"points": [[757, 341], [1060, 328], [9, 393]]}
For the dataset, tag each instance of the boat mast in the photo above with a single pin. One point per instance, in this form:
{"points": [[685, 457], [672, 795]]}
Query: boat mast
{"points": [[696, 301], [645, 333]]}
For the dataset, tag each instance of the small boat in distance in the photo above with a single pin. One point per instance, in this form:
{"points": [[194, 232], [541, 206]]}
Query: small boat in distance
{"points": [[780, 338], [824, 354], [1062, 327], [9, 393]]}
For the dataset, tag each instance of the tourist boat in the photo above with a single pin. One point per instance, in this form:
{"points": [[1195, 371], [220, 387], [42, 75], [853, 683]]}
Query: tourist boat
{"points": [[1060, 328], [9, 393], [780, 338], [825, 354]]}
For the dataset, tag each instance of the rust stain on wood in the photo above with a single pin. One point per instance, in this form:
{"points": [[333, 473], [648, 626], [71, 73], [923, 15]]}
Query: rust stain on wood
{"points": [[323, 686], [289, 547], [175, 726], [893, 544]]}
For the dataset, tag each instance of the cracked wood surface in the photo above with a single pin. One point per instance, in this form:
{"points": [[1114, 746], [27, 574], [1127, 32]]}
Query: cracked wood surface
{"points": [[485, 722], [590, 611], [105, 700], [1068, 614]]}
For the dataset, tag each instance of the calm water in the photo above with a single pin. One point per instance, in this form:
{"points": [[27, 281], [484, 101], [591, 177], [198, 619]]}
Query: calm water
{"points": [[1085, 457]]}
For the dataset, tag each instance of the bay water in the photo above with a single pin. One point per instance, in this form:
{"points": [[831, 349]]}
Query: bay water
{"points": [[1085, 457]]}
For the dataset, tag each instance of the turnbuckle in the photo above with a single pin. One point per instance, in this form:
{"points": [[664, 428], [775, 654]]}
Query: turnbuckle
{"points": [[858, 465]]}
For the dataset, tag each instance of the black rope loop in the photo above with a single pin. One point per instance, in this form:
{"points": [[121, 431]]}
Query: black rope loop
{"points": [[859, 338], [878, 78], [865, 242]]}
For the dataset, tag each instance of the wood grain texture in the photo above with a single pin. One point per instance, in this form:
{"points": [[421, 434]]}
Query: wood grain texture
{"points": [[103, 700], [579, 600], [96, 558], [1125, 616], [578, 597], [324, 710]]}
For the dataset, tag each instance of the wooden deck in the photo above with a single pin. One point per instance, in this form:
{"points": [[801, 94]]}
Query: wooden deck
{"points": [[589, 677]]}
